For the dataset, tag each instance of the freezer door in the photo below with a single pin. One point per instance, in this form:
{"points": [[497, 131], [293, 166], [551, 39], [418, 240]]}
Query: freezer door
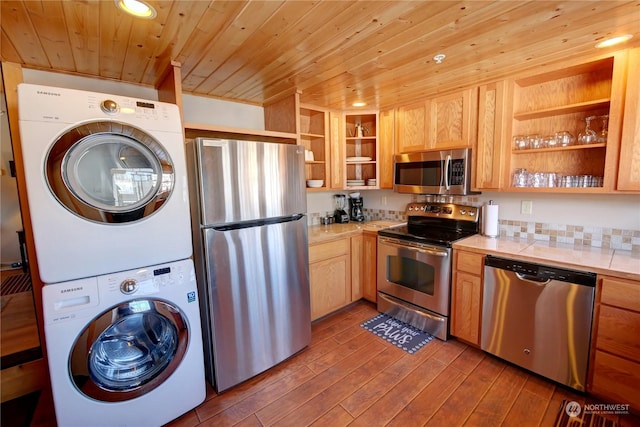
{"points": [[258, 292], [248, 180]]}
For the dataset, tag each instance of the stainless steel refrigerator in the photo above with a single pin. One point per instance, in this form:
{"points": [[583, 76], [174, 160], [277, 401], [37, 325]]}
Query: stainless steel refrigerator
{"points": [[248, 203]]}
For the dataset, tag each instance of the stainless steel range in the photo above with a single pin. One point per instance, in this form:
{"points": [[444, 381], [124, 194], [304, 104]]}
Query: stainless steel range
{"points": [[414, 264]]}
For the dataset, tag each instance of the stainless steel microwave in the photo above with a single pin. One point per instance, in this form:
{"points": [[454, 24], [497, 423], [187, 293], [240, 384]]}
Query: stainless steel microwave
{"points": [[433, 172]]}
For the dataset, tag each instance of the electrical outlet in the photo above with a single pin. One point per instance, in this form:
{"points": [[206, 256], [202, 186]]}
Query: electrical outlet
{"points": [[526, 207]]}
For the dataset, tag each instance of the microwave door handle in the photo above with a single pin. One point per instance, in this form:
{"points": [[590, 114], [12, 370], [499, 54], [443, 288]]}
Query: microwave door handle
{"points": [[447, 163]]}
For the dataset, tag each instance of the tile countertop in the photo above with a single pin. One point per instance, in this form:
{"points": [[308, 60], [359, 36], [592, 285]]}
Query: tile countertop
{"points": [[611, 262], [321, 233]]}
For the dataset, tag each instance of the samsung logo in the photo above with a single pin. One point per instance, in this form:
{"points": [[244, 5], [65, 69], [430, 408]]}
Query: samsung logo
{"points": [[64, 291], [44, 92]]}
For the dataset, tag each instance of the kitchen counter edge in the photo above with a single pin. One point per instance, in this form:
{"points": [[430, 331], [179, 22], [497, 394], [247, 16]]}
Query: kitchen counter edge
{"points": [[610, 262], [322, 233]]}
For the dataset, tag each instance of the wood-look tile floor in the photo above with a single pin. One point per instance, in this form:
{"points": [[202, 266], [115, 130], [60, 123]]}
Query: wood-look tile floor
{"points": [[348, 376]]}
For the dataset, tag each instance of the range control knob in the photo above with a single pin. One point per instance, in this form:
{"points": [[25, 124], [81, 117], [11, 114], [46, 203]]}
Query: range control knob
{"points": [[463, 211], [109, 106], [128, 286]]}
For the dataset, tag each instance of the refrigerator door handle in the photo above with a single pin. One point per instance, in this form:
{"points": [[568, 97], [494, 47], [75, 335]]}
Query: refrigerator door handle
{"points": [[257, 223]]}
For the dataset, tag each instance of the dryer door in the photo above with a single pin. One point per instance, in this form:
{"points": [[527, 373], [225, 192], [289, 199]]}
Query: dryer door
{"points": [[129, 350], [109, 172]]}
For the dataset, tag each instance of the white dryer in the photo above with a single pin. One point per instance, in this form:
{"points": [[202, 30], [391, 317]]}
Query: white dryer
{"points": [[106, 181], [125, 349]]}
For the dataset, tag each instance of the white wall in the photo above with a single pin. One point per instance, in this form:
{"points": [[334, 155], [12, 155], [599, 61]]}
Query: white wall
{"points": [[197, 109]]}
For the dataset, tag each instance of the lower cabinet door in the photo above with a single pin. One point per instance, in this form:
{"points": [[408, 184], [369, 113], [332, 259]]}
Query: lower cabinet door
{"points": [[330, 282], [616, 380], [466, 307]]}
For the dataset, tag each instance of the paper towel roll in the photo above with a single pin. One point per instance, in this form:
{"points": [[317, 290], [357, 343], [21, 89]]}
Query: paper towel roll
{"points": [[490, 220]]}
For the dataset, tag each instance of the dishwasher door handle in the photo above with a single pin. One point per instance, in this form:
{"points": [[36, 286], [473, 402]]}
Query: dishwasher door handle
{"points": [[538, 281]]}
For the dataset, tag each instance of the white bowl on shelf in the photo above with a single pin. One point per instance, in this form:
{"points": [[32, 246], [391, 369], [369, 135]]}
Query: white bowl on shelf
{"points": [[315, 183]]}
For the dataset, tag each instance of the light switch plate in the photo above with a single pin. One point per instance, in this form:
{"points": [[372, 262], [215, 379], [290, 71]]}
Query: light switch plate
{"points": [[526, 207]]}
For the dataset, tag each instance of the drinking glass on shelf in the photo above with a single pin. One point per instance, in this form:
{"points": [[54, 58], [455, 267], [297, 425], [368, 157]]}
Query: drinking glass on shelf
{"points": [[564, 138], [602, 135], [588, 135], [520, 178], [520, 142]]}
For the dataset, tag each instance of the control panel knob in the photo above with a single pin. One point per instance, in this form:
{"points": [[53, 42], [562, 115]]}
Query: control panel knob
{"points": [[109, 106], [128, 286], [463, 211]]}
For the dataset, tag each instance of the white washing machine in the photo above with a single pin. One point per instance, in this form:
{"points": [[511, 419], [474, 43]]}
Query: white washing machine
{"points": [[125, 349], [106, 181]]}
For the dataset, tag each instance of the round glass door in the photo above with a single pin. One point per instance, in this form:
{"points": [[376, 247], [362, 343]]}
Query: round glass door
{"points": [[129, 350], [109, 172]]}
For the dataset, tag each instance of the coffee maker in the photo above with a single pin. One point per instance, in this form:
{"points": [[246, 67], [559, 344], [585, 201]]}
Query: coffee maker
{"points": [[355, 209], [340, 215]]}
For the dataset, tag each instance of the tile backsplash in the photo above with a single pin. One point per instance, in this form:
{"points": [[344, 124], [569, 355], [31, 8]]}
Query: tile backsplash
{"points": [[577, 235]]}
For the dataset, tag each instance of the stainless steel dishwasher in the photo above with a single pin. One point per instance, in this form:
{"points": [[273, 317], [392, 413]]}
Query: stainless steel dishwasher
{"points": [[539, 317]]}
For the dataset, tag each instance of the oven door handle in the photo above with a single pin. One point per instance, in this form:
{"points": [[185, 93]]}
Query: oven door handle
{"points": [[428, 251]]}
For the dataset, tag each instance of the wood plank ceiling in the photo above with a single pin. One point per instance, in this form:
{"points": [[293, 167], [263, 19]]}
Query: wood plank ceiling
{"points": [[335, 52]]}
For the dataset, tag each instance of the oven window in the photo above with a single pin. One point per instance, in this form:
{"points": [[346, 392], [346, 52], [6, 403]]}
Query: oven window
{"points": [[411, 274]]}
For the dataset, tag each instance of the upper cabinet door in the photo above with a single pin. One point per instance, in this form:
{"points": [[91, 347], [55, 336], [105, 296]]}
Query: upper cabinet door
{"points": [[386, 148], [337, 151], [452, 120], [491, 129], [629, 167], [444, 122], [413, 123]]}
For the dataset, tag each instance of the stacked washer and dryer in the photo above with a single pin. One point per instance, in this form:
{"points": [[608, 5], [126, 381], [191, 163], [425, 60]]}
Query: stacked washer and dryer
{"points": [[107, 191]]}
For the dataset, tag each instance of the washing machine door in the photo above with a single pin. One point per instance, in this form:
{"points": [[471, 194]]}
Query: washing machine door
{"points": [[109, 172], [129, 350]]}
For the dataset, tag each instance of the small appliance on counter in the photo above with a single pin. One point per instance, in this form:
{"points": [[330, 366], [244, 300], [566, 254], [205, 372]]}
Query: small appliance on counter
{"points": [[340, 215], [355, 207]]}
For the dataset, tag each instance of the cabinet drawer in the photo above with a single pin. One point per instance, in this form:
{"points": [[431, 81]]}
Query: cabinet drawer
{"points": [[470, 262], [619, 332], [329, 250], [616, 379], [620, 293]]}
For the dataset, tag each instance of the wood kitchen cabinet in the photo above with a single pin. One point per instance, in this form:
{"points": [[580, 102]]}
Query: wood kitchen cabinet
{"points": [[560, 100], [466, 296], [314, 136], [488, 155], [357, 267], [342, 271], [370, 263], [447, 121], [386, 148], [412, 127], [629, 167], [615, 355], [329, 276], [361, 150], [337, 150]]}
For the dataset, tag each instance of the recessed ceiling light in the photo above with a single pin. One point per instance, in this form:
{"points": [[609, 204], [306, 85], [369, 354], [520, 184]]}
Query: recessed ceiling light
{"points": [[136, 8], [359, 104], [614, 40]]}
